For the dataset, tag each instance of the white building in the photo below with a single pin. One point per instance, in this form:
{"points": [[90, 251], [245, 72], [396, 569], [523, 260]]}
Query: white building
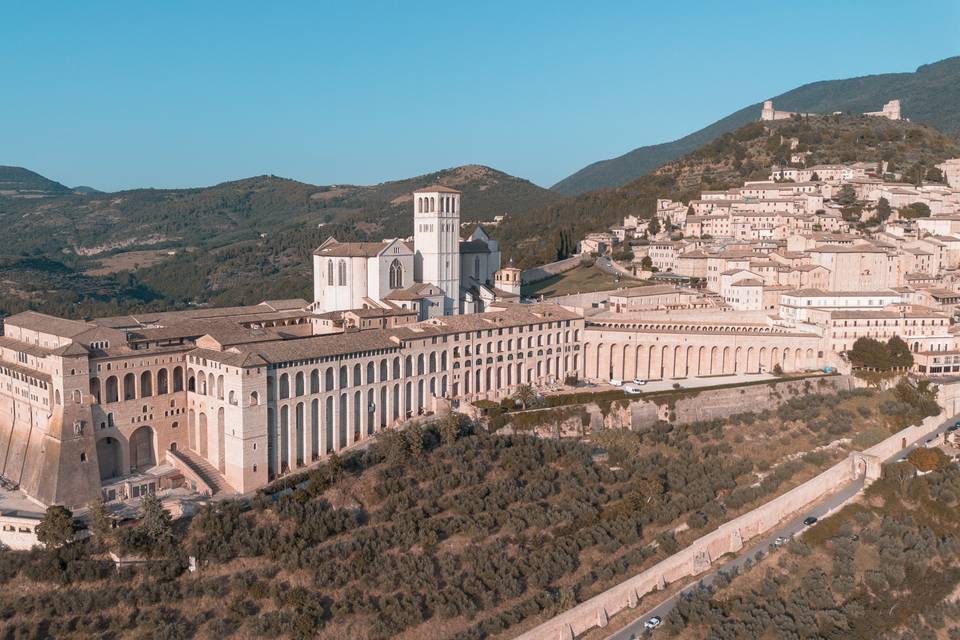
{"points": [[437, 274]]}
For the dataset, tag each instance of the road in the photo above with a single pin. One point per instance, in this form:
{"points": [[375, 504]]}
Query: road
{"points": [[788, 529], [609, 266]]}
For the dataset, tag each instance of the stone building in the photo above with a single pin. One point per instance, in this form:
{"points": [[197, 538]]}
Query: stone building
{"points": [[438, 273], [225, 400]]}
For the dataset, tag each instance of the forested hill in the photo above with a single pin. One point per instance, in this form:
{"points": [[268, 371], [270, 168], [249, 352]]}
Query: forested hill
{"points": [[86, 223], [745, 154], [77, 252], [930, 95], [20, 182]]}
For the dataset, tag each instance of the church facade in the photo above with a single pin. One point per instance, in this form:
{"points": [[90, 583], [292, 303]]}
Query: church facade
{"points": [[437, 273]]}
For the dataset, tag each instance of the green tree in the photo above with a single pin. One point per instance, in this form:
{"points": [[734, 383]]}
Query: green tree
{"points": [[934, 175], [847, 196], [646, 264], [870, 353], [100, 523], [413, 436], [334, 467], [898, 353], [915, 210], [450, 427], [883, 209], [156, 523], [525, 395], [56, 528], [654, 226]]}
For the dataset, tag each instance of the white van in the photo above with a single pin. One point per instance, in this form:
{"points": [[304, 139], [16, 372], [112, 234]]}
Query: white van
{"points": [[616, 382]]}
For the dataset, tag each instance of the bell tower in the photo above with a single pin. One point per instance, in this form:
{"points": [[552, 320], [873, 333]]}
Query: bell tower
{"points": [[436, 234]]}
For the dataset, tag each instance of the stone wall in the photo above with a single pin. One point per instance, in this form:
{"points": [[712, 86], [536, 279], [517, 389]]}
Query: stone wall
{"points": [[684, 407], [544, 271], [727, 538]]}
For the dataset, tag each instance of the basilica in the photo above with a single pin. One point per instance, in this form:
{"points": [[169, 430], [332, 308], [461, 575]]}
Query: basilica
{"points": [[436, 273]]}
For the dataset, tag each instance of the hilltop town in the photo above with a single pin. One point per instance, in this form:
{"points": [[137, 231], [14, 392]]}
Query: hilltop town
{"points": [[321, 420]]}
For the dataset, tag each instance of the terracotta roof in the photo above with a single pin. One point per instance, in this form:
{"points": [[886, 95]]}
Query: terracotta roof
{"points": [[53, 325]]}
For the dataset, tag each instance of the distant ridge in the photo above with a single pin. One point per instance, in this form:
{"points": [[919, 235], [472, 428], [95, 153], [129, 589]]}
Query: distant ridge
{"points": [[930, 95], [23, 180]]}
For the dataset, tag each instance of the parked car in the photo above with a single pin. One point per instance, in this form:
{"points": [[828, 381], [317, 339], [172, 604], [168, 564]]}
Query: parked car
{"points": [[956, 425], [779, 541], [617, 382], [639, 381], [633, 390], [809, 520], [652, 623]]}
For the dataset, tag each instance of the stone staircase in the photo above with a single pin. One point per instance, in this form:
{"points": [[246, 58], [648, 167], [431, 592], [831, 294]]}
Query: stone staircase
{"points": [[196, 467]]}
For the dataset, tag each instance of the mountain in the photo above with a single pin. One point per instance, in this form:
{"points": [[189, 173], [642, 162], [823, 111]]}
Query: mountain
{"points": [[231, 242], [744, 154], [930, 95], [17, 181], [85, 189]]}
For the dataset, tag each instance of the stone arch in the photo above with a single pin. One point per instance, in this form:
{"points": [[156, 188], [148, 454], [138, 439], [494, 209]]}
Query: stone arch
{"points": [[163, 382], [254, 398], [298, 384], [109, 458], [177, 379], [146, 384], [221, 441], [95, 389], [328, 425], [299, 434], [284, 386], [129, 386], [342, 422], [284, 438], [143, 449], [202, 441]]}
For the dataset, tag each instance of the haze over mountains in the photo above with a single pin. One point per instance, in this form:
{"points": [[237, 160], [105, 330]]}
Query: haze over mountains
{"points": [[930, 95]]}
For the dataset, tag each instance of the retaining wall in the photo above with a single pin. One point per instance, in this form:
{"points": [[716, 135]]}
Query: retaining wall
{"points": [[689, 406], [727, 538], [536, 274]]}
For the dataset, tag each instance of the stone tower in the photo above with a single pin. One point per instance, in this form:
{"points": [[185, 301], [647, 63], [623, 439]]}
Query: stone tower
{"points": [[768, 113], [508, 279], [436, 233]]}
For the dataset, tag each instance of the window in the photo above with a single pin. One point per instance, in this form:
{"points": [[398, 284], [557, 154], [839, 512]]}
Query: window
{"points": [[329, 273], [342, 273], [396, 274]]}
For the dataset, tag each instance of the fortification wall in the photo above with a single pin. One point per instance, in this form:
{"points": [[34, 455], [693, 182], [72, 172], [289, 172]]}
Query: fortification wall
{"points": [[727, 538], [536, 274]]}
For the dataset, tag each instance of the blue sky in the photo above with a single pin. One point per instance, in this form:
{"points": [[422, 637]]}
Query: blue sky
{"points": [[125, 94]]}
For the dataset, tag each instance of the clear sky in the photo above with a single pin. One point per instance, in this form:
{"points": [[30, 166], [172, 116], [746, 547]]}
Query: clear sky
{"points": [[170, 94]]}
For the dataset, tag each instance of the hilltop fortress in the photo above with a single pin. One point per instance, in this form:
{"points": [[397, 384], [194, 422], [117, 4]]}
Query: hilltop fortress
{"points": [[891, 111]]}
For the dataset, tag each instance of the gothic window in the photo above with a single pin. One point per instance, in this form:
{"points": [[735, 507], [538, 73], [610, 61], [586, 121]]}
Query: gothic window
{"points": [[396, 274], [342, 273], [329, 273]]}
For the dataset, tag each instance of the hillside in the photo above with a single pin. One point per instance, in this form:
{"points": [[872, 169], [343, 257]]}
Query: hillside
{"points": [[17, 181], [229, 242], [930, 95], [744, 154]]}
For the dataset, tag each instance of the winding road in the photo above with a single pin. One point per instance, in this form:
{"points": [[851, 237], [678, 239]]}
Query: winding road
{"points": [[787, 529]]}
